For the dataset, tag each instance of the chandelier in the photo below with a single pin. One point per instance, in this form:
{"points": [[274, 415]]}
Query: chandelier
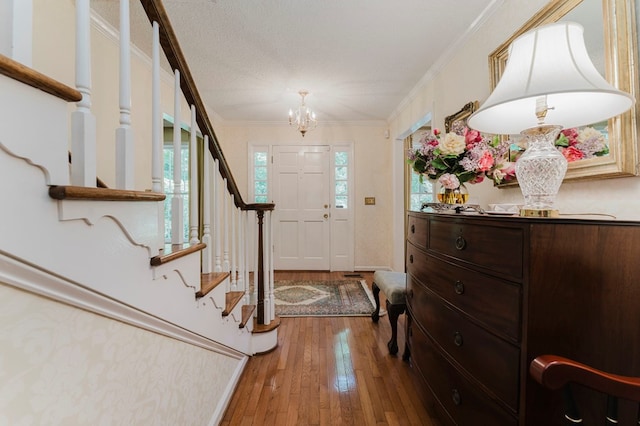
{"points": [[304, 119]]}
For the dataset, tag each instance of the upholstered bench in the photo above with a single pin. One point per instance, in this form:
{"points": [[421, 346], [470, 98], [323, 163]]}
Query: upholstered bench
{"points": [[394, 287]]}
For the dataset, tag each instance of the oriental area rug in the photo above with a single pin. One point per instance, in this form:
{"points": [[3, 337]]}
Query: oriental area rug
{"points": [[323, 298]]}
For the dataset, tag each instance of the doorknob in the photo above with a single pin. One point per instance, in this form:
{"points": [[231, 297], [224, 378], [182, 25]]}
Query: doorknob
{"points": [[326, 206], [326, 216]]}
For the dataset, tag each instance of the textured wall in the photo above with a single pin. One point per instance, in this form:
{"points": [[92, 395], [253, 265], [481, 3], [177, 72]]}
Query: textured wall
{"points": [[64, 366]]}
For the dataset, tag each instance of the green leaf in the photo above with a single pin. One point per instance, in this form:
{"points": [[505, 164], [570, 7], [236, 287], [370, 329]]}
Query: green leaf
{"points": [[562, 141]]}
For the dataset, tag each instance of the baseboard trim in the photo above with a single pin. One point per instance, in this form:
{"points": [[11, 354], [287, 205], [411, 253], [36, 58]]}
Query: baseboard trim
{"points": [[218, 414]]}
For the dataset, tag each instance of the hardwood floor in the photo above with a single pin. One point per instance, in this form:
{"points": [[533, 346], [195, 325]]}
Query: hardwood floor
{"points": [[328, 371]]}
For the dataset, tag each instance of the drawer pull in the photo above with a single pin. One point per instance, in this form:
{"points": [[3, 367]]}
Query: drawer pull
{"points": [[410, 258], [457, 339], [460, 243], [413, 229], [455, 395], [458, 287]]}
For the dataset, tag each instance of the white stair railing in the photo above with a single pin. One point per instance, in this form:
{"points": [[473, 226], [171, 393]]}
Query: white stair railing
{"points": [[193, 180], [177, 202], [124, 134], [238, 236], [83, 122]]}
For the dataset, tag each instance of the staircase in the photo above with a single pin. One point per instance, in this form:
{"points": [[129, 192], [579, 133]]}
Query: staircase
{"points": [[102, 250]]}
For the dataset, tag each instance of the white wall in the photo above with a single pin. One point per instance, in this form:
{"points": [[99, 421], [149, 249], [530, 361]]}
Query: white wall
{"points": [[62, 365]]}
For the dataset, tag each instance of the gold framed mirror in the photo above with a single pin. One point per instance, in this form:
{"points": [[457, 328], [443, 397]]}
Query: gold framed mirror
{"points": [[617, 52]]}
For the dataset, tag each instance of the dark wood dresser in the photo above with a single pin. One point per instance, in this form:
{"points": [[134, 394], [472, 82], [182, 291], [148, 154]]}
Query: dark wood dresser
{"points": [[486, 295]]}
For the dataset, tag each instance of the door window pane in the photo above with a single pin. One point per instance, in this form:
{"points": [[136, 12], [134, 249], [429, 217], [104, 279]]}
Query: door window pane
{"points": [[341, 172]]}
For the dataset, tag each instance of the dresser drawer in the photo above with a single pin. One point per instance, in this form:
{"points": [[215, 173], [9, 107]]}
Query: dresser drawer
{"points": [[497, 249], [490, 359], [417, 231], [465, 402], [491, 301]]}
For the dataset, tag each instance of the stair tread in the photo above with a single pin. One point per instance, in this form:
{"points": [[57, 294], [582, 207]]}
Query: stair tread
{"points": [[175, 251], [210, 281], [265, 328], [231, 300], [247, 311], [70, 192]]}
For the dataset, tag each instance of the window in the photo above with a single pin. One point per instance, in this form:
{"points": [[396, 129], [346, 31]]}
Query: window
{"points": [[341, 173], [260, 176], [169, 189], [419, 192]]}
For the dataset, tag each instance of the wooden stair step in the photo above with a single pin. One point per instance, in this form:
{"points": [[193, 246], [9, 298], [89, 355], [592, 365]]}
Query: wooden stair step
{"points": [[247, 312], [265, 328], [210, 281], [231, 300], [175, 251]]}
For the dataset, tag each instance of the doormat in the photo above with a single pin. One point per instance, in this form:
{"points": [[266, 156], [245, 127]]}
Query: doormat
{"points": [[323, 298]]}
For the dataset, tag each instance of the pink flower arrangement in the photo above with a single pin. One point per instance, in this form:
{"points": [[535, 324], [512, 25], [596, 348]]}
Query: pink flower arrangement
{"points": [[461, 156], [580, 144]]}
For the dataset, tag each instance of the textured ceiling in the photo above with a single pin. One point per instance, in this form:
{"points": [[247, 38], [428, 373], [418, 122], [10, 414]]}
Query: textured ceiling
{"points": [[359, 59]]}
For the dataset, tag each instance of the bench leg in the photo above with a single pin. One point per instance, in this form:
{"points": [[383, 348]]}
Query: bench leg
{"points": [[394, 312], [376, 297]]}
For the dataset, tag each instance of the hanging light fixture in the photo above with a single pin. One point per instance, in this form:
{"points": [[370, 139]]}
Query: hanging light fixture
{"points": [[304, 119]]}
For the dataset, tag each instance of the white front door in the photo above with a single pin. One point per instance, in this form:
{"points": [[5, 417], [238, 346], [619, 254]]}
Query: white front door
{"points": [[301, 191]]}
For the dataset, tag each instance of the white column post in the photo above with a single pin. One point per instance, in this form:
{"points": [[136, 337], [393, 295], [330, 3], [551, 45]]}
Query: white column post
{"points": [[233, 243], [193, 196], [271, 280], [217, 216], [83, 123], [177, 202], [225, 230], [157, 159], [241, 249], [124, 133], [207, 253]]}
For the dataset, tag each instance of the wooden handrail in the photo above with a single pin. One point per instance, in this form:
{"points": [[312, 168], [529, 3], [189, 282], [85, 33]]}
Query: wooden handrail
{"points": [[33, 78], [156, 12], [554, 372]]}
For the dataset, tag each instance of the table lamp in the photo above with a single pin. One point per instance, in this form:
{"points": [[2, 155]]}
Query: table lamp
{"points": [[549, 83]]}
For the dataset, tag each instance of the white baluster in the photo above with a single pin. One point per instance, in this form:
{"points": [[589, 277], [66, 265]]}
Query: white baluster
{"points": [[157, 160], [124, 134], [217, 217], [254, 246], [16, 30], [83, 122], [232, 243], [177, 202], [268, 294], [269, 250], [207, 253], [193, 197], [225, 226], [241, 248], [157, 136]]}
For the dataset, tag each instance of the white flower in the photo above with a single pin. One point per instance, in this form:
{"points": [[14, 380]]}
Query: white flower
{"points": [[452, 144]]}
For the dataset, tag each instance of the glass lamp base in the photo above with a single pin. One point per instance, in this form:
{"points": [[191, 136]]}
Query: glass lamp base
{"points": [[540, 170]]}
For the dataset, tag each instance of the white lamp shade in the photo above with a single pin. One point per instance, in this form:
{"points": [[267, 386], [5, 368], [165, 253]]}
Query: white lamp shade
{"points": [[551, 61]]}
